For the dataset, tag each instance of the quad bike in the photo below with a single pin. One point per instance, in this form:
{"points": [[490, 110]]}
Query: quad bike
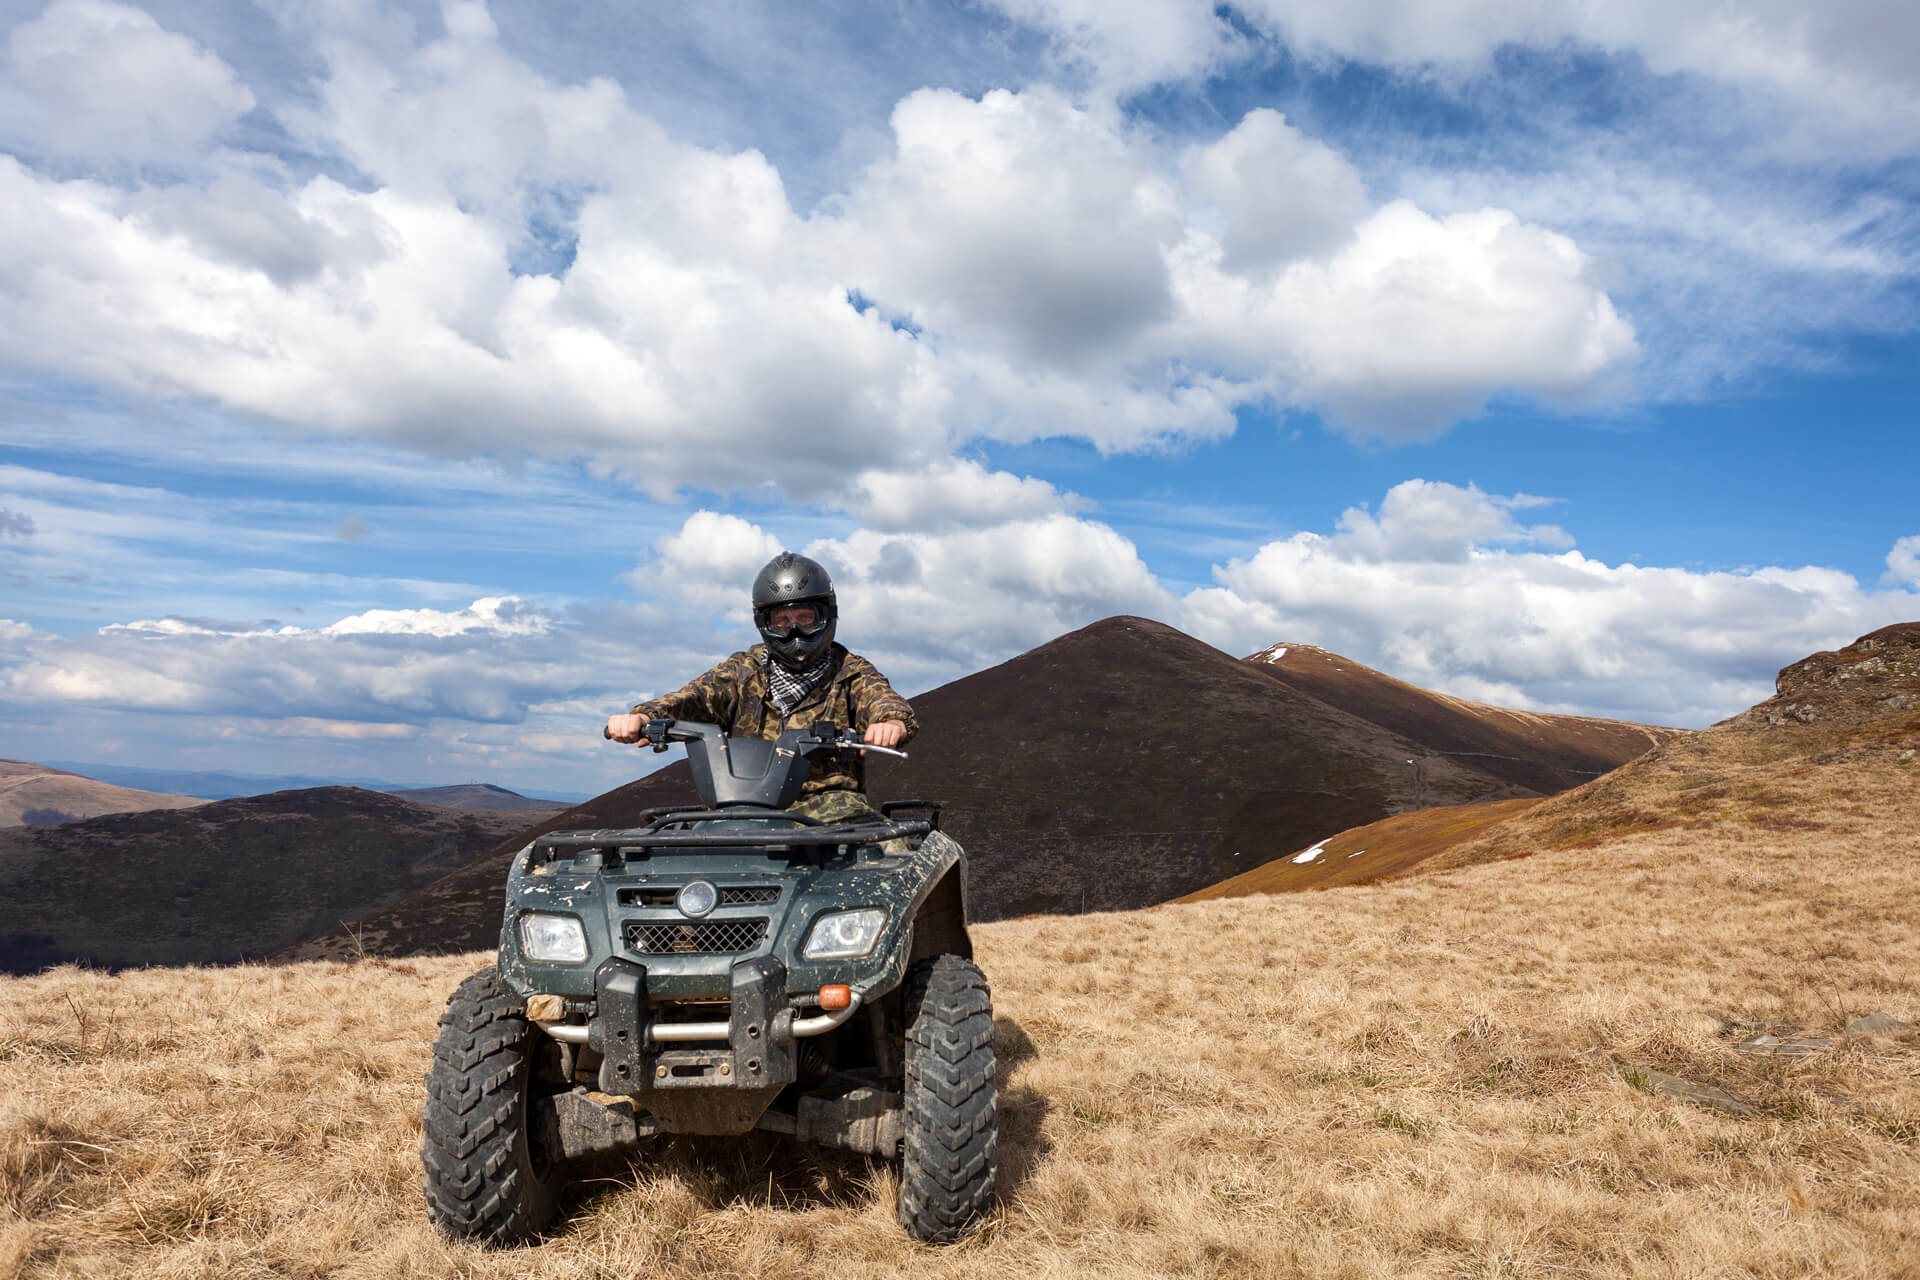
{"points": [[721, 968]]}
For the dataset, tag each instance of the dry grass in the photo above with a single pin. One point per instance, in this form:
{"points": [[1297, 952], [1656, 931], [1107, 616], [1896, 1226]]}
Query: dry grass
{"points": [[1445, 1076], [1733, 779]]}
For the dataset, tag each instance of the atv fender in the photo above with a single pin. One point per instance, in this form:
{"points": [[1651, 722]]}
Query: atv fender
{"points": [[940, 921], [934, 918]]}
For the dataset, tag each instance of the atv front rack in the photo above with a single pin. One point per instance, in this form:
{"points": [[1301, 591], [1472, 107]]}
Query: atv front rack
{"points": [[806, 833]]}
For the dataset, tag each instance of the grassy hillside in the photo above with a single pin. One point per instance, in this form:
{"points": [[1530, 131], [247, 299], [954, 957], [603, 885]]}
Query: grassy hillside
{"points": [[1841, 736], [1360, 855], [1455, 1075], [33, 794], [1835, 738], [479, 795]]}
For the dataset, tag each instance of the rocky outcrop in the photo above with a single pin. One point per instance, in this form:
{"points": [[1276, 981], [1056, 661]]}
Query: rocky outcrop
{"points": [[1874, 679]]}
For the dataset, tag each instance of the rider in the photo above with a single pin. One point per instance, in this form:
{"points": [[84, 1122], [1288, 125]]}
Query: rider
{"points": [[797, 677]]}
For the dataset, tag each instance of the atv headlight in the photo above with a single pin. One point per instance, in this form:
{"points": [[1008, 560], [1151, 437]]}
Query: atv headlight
{"points": [[552, 938], [844, 935]]}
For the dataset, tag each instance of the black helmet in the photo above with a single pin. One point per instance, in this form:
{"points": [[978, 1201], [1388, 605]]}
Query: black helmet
{"points": [[793, 579]]}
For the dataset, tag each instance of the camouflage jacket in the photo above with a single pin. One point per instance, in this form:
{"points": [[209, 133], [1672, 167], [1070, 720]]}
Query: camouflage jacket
{"points": [[734, 696]]}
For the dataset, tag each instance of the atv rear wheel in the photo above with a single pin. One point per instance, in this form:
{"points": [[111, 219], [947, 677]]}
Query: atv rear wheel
{"points": [[951, 1153], [487, 1178]]}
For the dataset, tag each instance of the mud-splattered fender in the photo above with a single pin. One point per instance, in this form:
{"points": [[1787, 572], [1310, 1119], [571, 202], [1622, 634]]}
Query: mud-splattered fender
{"points": [[931, 878], [555, 888]]}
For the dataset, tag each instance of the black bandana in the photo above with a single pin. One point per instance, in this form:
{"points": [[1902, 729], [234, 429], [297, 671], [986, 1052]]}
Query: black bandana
{"points": [[788, 689]]}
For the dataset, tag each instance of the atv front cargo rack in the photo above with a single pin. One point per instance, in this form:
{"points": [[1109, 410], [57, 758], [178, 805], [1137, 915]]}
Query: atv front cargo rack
{"points": [[808, 833]]}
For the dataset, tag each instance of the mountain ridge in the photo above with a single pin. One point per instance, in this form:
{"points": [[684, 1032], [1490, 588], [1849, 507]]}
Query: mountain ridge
{"points": [[221, 784], [33, 794], [1858, 706], [1202, 767], [223, 881]]}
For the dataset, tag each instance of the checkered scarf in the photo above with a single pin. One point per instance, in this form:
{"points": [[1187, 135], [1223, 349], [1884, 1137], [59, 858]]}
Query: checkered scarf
{"points": [[788, 689]]}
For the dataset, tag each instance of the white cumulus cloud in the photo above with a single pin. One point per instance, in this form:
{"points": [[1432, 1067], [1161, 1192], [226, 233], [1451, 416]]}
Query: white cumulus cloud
{"points": [[106, 82], [1281, 194], [957, 491], [497, 615], [1903, 562], [709, 562], [1019, 221], [1439, 588], [531, 266], [1418, 320]]}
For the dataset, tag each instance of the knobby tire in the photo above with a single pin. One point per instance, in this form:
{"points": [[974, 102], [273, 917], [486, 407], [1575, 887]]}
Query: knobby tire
{"points": [[485, 1181], [951, 1154]]}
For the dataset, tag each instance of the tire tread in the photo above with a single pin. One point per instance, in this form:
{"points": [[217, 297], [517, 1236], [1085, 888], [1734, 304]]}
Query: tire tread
{"points": [[480, 1182], [951, 1153]]}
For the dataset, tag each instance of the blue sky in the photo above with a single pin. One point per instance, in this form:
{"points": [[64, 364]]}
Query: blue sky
{"points": [[395, 389]]}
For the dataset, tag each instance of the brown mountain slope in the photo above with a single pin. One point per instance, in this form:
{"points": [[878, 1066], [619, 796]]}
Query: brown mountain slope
{"points": [[1127, 763], [32, 794], [1362, 855], [226, 879], [1542, 752], [461, 910], [1118, 766], [479, 795], [1841, 733]]}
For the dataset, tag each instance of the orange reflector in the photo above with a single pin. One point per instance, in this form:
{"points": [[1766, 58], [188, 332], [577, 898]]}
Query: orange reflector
{"points": [[835, 997]]}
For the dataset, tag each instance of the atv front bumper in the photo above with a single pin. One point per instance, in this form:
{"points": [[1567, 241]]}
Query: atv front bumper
{"points": [[642, 1051]]}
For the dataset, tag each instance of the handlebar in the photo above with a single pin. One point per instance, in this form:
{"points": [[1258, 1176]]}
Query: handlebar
{"points": [[808, 739]]}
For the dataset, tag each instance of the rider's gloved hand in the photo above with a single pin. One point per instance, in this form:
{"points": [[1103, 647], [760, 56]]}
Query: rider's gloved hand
{"points": [[626, 728]]}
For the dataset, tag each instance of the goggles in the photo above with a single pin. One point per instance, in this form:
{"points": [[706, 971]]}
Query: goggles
{"points": [[784, 621]]}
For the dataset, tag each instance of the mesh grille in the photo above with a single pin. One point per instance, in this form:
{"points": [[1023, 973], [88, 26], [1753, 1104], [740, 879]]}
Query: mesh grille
{"points": [[739, 894], [706, 937]]}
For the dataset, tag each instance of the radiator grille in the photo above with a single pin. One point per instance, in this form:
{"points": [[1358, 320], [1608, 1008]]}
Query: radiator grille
{"points": [[744, 894], [704, 937]]}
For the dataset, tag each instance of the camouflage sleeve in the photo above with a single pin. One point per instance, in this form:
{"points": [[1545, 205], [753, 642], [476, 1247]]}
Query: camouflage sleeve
{"points": [[874, 700], [710, 698]]}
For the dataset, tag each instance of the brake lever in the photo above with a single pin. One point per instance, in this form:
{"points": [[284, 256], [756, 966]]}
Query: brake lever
{"points": [[849, 740]]}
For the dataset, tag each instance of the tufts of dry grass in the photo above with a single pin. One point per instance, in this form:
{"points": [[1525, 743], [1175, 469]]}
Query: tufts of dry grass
{"points": [[1448, 1076]]}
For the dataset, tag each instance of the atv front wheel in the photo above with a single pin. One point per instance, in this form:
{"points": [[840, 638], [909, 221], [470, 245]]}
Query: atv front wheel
{"points": [[953, 1134], [486, 1177]]}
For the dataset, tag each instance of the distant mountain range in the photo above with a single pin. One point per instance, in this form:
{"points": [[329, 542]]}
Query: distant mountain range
{"points": [[1121, 765], [219, 785], [224, 880], [32, 794]]}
